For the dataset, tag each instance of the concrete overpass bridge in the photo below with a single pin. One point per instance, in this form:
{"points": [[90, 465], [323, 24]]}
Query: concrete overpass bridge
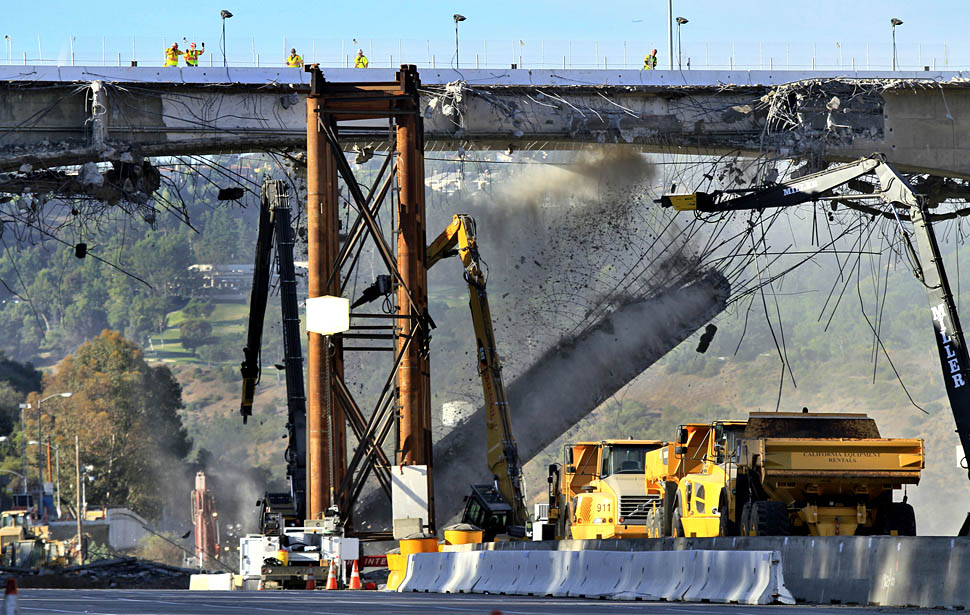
{"points": [[54, 116]]}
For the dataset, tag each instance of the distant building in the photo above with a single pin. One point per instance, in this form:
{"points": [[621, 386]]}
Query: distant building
{"points": [[236, 280], [224, 279]]}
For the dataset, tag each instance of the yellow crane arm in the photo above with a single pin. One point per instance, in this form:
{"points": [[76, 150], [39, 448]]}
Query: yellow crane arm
{"points": [[503, 456]]}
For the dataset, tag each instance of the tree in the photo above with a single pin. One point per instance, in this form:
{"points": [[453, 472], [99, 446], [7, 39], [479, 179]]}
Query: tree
{"points": [[126, 414], [199, 308], [195, 333]]}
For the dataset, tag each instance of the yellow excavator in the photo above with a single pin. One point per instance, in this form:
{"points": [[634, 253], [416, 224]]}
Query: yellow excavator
{"points": [[497, 508]]}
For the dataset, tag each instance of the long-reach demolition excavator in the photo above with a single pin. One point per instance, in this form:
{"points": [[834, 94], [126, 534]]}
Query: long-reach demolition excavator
{"points": [[498, 508], [928, 266], [278, 510]]}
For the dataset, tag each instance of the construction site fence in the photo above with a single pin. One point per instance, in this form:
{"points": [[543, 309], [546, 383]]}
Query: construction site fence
{"points": [[896, 571], [494, 54]]}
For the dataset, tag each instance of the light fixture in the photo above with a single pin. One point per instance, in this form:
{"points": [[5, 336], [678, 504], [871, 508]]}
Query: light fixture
{"points": [[327, 315]]}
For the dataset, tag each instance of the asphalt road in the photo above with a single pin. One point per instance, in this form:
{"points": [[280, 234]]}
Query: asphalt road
{"points": [[183, 602]]}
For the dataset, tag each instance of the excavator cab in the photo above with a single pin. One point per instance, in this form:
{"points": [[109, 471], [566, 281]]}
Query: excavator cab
{"points": [[485, 508]]}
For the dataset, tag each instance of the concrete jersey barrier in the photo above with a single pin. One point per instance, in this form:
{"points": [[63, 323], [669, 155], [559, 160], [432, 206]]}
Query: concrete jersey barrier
{"points": [[745, 577]]}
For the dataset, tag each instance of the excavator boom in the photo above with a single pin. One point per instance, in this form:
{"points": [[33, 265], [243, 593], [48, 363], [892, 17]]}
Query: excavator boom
{"points": [[274, 222], [503, 456]]}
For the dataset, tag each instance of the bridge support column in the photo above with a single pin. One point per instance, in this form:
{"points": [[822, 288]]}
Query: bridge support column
{"points": [[326, 450], [414, 375]]}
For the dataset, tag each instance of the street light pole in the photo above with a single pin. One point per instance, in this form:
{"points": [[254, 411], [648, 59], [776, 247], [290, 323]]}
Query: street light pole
{"points": [[680, 21], [895, 22], [457, 18], [77, 475], [225, 15], [23, 446], [40, 450], [670, 32]]}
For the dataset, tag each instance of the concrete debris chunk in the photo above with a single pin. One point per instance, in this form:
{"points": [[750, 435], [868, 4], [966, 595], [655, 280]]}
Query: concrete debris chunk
{"points": [[90, 175]]}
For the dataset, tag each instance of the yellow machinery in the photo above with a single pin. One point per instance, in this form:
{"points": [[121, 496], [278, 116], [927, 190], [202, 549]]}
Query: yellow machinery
{"points": [[602, 492], [893, 197], [499, 507], [25, 545], [781, 473]]}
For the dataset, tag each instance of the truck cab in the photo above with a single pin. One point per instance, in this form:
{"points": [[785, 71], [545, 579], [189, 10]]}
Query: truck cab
{"points": [[603, 485]]}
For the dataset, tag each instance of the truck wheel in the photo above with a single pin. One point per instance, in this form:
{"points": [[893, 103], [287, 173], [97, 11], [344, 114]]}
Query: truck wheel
{"points": [[728, 527], [675, 523], [897, 517], [769, 518], [746, 519], [670, 496]]}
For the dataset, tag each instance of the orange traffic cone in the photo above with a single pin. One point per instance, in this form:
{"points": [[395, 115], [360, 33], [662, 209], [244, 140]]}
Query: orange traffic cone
{"points": [[310, 582], [332, 576], [10, 598], [355, 577]]}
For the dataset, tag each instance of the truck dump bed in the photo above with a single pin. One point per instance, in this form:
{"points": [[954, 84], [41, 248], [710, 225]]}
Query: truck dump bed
{"points": [[849, 459], [800, 455]]}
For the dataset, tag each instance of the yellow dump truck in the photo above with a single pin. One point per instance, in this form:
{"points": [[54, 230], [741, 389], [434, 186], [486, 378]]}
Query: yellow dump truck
{"points": [[782, 473], [602, 493]]}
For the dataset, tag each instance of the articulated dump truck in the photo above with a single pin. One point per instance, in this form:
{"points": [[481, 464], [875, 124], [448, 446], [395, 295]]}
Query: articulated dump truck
{"points": [[784, 473], [601, 492]]}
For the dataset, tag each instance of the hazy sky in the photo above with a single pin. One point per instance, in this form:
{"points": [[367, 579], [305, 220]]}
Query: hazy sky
{"points": [[755, 31]]}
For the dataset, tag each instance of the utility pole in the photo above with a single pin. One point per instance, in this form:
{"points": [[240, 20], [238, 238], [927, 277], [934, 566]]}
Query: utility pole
{"points": [[670, 32], [77, 477]]}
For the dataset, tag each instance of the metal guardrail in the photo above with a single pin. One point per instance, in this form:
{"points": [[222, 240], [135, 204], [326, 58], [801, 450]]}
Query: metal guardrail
{"points": [[482, 54]]}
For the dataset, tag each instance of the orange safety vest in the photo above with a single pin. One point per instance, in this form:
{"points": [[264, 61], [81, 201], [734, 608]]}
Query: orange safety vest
{"points": [[294, 61], [172, 56], [192, 56]]}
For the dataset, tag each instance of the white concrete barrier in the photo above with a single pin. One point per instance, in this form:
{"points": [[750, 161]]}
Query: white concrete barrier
{"points": [[500, 572], [747, 577], [598, 573], [210, 582]]}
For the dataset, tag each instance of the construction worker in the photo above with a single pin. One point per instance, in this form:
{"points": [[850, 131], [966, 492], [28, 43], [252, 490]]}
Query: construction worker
{"points": [[650, 61], [361, 60], [192, 56], [295, 60], [172, 55]]}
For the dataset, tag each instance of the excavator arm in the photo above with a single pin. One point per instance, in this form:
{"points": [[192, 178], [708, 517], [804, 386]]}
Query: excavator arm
{"points": [[274, 222], [928, 266], [503, 457]]}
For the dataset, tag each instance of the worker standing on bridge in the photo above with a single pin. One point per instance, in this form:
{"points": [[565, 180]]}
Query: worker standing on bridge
{"points": [[192, 56], [295, 60], [361, 60], [650, 61], [172, 55]]}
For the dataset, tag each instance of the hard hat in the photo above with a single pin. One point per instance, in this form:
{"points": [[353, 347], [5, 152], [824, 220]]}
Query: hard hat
{"points": [[192, 45], [360, 52], [654, 51], [175, 44]]}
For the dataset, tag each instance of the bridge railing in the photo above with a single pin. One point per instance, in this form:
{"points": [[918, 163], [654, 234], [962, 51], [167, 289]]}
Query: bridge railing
{"points": [[489, 54]]}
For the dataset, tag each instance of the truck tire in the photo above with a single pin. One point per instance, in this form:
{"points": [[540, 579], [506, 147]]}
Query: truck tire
{"points": [[746, 519], [670, 496], [898, 518], [728, 527], [769, 518], [676, 524]]}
